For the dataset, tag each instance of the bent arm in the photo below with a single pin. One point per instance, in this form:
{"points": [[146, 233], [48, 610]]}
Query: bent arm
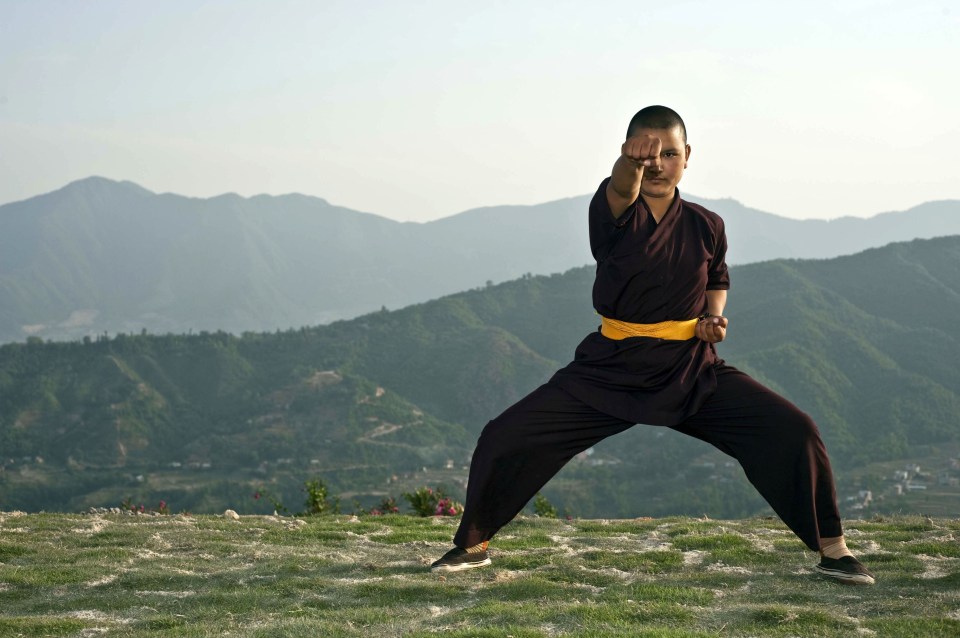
{"points": [[716, 300], [713, 329]]}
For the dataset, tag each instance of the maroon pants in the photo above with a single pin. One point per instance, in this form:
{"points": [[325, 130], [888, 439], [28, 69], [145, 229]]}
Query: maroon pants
{"points": [[778, 446]]}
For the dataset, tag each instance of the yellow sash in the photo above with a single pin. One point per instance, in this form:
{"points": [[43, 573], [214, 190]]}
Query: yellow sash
{"points": [[672, 330]]}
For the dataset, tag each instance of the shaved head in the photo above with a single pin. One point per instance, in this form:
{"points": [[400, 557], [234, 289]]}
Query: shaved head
{"points": [[657, 117]]}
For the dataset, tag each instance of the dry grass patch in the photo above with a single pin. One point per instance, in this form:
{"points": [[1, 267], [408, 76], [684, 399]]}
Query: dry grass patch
{"points": [[119, 575]]}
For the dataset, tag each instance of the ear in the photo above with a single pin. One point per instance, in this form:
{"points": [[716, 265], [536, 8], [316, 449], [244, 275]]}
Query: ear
{"points": [[686, 158]]}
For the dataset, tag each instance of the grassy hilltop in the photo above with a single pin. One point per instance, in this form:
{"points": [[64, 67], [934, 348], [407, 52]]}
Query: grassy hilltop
{"points": [[342, 575]]}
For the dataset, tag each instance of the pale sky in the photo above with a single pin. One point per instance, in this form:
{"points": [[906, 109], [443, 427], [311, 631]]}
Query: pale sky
{"points": [[420, 110]]}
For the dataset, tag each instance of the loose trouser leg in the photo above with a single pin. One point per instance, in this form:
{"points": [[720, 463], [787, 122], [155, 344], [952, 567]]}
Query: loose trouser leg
{"points": [[779, 448], [522, 449]]}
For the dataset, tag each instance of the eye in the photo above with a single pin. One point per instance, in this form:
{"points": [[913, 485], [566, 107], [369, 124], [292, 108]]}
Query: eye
{"points": [[670, 154]]}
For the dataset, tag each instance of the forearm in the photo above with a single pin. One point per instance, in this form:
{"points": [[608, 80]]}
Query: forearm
{"points": [[624, 185], [716, 300]]}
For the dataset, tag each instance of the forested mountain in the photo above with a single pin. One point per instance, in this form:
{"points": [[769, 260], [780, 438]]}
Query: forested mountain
{"points": [[862, 343], [100, 256]]}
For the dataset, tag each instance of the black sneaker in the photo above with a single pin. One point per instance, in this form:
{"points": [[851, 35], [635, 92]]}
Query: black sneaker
{"points": [[458, 560], [846, 570]]}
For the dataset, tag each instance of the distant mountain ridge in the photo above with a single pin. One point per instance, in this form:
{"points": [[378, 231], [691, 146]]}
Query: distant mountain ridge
{"points": [[103, 256]]}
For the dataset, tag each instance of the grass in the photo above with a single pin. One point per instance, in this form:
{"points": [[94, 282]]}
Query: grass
{"points": [[122, 575]]}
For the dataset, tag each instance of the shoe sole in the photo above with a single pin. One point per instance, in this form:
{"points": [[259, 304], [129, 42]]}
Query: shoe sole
{"points": [[846, 577], [461, 567]]}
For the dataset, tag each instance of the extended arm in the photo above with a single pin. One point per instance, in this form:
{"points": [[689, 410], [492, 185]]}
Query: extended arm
{"points": [[624, 186]]}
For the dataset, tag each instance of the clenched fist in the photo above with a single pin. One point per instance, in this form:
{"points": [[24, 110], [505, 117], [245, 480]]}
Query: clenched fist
{"points": [[643, 150], [711, 329]]}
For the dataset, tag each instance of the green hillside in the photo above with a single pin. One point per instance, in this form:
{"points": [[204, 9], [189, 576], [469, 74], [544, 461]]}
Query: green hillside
{"points": [[206, 418], [384, 402]]}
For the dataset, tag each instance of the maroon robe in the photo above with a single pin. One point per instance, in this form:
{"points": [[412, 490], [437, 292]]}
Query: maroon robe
{"points": [[648, 272]]}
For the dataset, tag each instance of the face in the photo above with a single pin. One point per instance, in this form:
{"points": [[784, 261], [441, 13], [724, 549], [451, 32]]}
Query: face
{"points": [[661, 182]]}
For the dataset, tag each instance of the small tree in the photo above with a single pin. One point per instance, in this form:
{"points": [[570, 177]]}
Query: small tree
{"points": [[318, 501], [544, 508]]}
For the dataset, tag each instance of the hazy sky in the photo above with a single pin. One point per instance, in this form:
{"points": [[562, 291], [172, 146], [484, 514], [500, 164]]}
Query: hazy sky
{"points": [[419, 110]]}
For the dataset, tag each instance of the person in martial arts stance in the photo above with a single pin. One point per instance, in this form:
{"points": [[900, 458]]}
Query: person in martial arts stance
{"points": [[660, 289]]}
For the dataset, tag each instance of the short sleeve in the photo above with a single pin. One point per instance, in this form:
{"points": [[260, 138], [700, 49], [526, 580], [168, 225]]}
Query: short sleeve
{"points": [[717, 276], [604, 228]]}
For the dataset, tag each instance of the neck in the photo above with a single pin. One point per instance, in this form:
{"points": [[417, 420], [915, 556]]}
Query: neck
{"points": [[658, 206]]}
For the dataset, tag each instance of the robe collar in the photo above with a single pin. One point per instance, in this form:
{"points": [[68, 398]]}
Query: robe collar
{"points": [[645, 217]]}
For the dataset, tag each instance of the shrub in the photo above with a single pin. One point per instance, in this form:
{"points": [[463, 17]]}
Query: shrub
{"points": [[162, 508], [426, 501], [278, 506], [448, 507], [544, 508], [387, 506], [318, 501]]}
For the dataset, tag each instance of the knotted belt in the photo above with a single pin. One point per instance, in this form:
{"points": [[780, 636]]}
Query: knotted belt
{"points": [[671, 330]]}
